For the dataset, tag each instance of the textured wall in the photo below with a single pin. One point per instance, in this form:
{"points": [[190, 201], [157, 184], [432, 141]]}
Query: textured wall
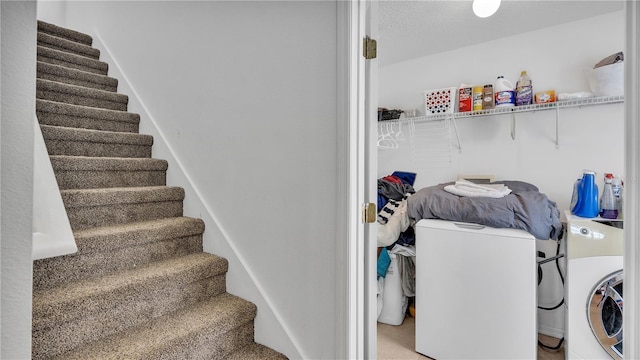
{"points": [[16, 170]]}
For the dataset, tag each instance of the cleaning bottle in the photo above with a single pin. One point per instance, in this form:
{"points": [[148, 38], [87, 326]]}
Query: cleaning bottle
{"points": [[608, 201], [503, 91], [575, 196], [587, 196], [524, 90], [617, 187]]}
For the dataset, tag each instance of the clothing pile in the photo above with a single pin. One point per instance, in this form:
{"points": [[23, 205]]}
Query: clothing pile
{"points": [[393, 191], [396, 240]]}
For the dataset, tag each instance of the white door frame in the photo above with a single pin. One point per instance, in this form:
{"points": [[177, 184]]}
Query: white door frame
{"points": [[631, 314], [355, 143]]}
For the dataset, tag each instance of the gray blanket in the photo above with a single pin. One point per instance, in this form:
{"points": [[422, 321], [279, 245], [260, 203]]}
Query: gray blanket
{"points": [[525, 208]]}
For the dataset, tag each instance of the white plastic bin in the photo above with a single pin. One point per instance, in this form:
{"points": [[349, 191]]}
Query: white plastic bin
{"points": [[394, 302]]}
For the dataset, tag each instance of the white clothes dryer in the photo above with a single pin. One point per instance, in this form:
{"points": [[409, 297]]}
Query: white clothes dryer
{"points": [[593, 288]]}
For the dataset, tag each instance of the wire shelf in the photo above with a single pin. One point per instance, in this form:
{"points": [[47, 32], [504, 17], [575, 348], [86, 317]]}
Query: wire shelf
{"points": [[526, 108], [572, 103]]}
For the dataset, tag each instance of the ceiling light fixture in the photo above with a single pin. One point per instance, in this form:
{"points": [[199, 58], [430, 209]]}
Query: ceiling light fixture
{"points": [[485, 8]]}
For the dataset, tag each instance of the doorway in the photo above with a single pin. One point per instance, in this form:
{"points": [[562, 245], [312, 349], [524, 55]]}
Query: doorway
{"points": [[627, 167]]}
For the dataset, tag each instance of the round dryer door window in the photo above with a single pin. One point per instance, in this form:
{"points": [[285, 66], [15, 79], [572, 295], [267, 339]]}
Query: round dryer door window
{"points": [[605, 313]]}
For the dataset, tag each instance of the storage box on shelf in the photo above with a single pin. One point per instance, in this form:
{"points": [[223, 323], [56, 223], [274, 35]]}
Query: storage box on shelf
{"points": [[440, 101]]}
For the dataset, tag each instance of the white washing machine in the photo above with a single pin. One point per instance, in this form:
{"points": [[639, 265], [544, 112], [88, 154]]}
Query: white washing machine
{"points": [[475, 291], [593, 288]]}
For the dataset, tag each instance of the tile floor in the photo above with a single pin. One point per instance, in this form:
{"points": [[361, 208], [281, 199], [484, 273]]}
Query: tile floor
{"points": [[398, 343]]}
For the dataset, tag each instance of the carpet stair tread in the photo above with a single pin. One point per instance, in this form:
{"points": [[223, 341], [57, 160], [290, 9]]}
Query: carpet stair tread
{"points": [[256, 351], [98, 136], [89, 208], [82, 163], [108, 249], [81, 172], [122, 195], [163, 337], [74, 61], [93, 293], [70, 315], [80, 95], [86, 117], [70, 46], [65, 33], [77, 77]]}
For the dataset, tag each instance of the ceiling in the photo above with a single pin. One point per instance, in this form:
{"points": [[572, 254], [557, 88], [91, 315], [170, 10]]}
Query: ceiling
{"points": [[410, 29]]}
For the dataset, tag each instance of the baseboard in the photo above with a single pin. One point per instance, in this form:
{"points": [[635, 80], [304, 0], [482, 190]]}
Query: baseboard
{"points": [[549, 331], [270, 328]]}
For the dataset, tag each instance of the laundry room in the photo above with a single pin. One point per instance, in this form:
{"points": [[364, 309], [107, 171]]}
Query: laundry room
{"points": [[570, 127]]}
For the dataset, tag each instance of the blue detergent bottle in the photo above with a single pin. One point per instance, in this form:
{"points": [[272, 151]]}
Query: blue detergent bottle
{"points": [[586, 204], [575, 198]]}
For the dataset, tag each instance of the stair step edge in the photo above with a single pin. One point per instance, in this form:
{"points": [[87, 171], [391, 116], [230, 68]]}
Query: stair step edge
{"points": [[80, 91], [92, 293], [256, 351], [52, 132], [66, 33], [96, 66], [91, 240], [85, 163], [60, 108], [74, 47], [71, 73], [222, 314], [74, 198]]}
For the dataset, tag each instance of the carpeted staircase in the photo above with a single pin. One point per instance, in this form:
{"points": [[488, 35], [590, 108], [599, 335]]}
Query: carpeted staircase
{"points": [[140, 286]]}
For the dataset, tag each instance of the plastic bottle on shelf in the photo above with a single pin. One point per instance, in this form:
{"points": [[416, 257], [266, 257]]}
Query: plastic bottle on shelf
{"points": [[608, 208], [524, 90], [503, 91], [617, 186], [477, 97]]}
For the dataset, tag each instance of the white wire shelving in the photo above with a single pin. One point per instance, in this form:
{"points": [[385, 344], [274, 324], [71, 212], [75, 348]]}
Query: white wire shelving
{"points": [[563, 104]]}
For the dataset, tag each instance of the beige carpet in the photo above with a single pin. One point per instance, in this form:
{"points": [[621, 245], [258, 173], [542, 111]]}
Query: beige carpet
{"points": [[398, 343]]}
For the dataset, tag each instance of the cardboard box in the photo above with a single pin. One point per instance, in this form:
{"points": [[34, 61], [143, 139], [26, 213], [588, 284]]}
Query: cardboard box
{"points": [[544, 97], [464, 99]]}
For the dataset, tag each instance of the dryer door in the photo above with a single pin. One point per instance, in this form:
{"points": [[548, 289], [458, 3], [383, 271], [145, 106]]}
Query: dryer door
{"points": [[605, 313]]}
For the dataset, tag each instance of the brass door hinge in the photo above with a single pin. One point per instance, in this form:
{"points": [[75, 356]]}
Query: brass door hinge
{"points": [[370, 47], [369, 213]]}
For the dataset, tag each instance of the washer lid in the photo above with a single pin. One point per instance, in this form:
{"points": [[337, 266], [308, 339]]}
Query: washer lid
{"points": [[604, 311], [473, 228]]}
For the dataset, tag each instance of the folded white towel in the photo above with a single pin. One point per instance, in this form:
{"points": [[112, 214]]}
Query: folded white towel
{"points": [[467, 188]]}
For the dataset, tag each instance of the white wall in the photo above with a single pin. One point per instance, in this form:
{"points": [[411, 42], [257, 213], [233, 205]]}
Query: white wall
{"points": [[16, 180], [589, 137], [243, 94]]}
